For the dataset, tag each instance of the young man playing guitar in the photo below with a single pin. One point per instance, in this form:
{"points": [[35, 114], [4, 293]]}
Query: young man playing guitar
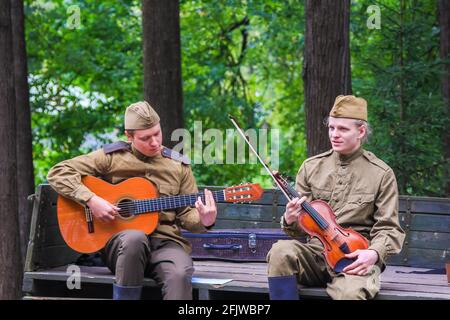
{"points": [[362, 191], [130, 254]]}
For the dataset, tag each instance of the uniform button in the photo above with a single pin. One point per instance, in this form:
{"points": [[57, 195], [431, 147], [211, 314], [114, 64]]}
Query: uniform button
{"points": [[340, 182]]}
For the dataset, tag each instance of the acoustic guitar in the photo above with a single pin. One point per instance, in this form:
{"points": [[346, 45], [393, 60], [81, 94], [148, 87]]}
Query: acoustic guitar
{"points": [[139, 205]]}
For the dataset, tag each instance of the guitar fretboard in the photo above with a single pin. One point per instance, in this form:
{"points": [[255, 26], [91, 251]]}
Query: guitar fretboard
{"points": [[136, 207]]}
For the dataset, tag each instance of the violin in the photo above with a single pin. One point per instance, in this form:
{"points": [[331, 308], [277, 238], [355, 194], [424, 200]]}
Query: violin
{"points": [[318, 220]]}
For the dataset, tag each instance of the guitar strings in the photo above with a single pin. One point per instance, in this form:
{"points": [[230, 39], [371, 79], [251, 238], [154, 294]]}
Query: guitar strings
{"points": [[129, 208]]}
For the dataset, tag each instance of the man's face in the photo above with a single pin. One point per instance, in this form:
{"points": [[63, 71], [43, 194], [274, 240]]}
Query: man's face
{"points": [[345, 135], [147, 141]]}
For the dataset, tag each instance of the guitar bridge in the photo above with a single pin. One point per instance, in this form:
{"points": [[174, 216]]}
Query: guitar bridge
{"points": [[89, 220]]}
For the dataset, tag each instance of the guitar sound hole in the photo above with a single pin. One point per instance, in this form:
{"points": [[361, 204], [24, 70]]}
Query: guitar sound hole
{"points": [[126, 208]]}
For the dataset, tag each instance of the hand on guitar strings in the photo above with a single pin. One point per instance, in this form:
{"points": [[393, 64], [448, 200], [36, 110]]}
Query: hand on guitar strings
{"points": [[207, 210], [102, 209]]}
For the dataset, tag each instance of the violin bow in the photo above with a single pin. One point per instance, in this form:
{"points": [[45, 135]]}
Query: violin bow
{"points": [[278, 183]]}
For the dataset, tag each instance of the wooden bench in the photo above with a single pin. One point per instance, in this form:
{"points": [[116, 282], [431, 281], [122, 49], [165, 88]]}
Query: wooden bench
{"points": [[409, 275]]}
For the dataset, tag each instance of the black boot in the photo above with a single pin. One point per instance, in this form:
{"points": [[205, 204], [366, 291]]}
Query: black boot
{"points": [[283, 288], [126, 292]]}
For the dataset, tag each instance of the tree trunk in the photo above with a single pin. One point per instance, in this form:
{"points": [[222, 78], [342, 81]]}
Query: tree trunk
{"points": [[25, 171], [326, 70], [444, 23], [10, 262], [162, 63]]}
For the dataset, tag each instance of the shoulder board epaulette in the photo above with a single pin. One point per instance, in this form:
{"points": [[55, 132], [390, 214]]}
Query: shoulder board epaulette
{"points": [[168, 153], [116, 146], [321, 155], [376, 161]]}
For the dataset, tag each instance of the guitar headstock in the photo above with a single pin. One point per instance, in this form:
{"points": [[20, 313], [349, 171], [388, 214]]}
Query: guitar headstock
{"points": [[243, 193]]}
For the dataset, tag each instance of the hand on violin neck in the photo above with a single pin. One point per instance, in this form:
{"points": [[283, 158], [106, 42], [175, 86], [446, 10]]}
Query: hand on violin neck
{"points": [[293, 209], [364, 260]]}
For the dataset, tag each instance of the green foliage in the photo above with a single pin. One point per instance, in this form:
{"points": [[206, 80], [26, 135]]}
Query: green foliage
{"points": [[244, 58], [398, 70], [80, 78]]}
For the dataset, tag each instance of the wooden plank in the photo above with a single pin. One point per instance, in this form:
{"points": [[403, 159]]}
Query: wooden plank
{"points": [[431, 206], [413, 276], [51, 236], [403, 295], [430, 222], [87, 275], [416, 288], [239, 224], [429, 240], [54, 256], [403, 219], [425, 222], [34, 232], [245, 212], [38, 298], [235, 274], [391, 273], [248, 216], [226, 266], [27, 285], [412, 280], [427, 205], [259, 274], [427, 258], [48, 215], [49, 193], [251, 278]]}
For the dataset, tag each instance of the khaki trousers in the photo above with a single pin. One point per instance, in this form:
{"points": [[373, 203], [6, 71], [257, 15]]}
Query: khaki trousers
{"points": [[306, 261], [131, 255]]}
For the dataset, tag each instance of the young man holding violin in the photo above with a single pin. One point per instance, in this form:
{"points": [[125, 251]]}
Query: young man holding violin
{"points": [[362, 193], [131, 253]]}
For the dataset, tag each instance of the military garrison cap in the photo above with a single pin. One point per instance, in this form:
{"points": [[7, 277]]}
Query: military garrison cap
{"points": [[349, 107], [140, 115]]}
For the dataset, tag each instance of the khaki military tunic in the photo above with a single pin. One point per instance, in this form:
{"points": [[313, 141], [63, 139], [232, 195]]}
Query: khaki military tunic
{"points": [[171, 175], [362, 191]]}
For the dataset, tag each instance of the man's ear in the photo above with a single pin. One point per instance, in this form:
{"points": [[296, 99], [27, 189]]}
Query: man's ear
{"points": [[362, 131], [129, 136]]}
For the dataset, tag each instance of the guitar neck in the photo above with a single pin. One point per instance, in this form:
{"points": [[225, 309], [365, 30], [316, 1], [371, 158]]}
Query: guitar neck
{"points": [[170, 202]]}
